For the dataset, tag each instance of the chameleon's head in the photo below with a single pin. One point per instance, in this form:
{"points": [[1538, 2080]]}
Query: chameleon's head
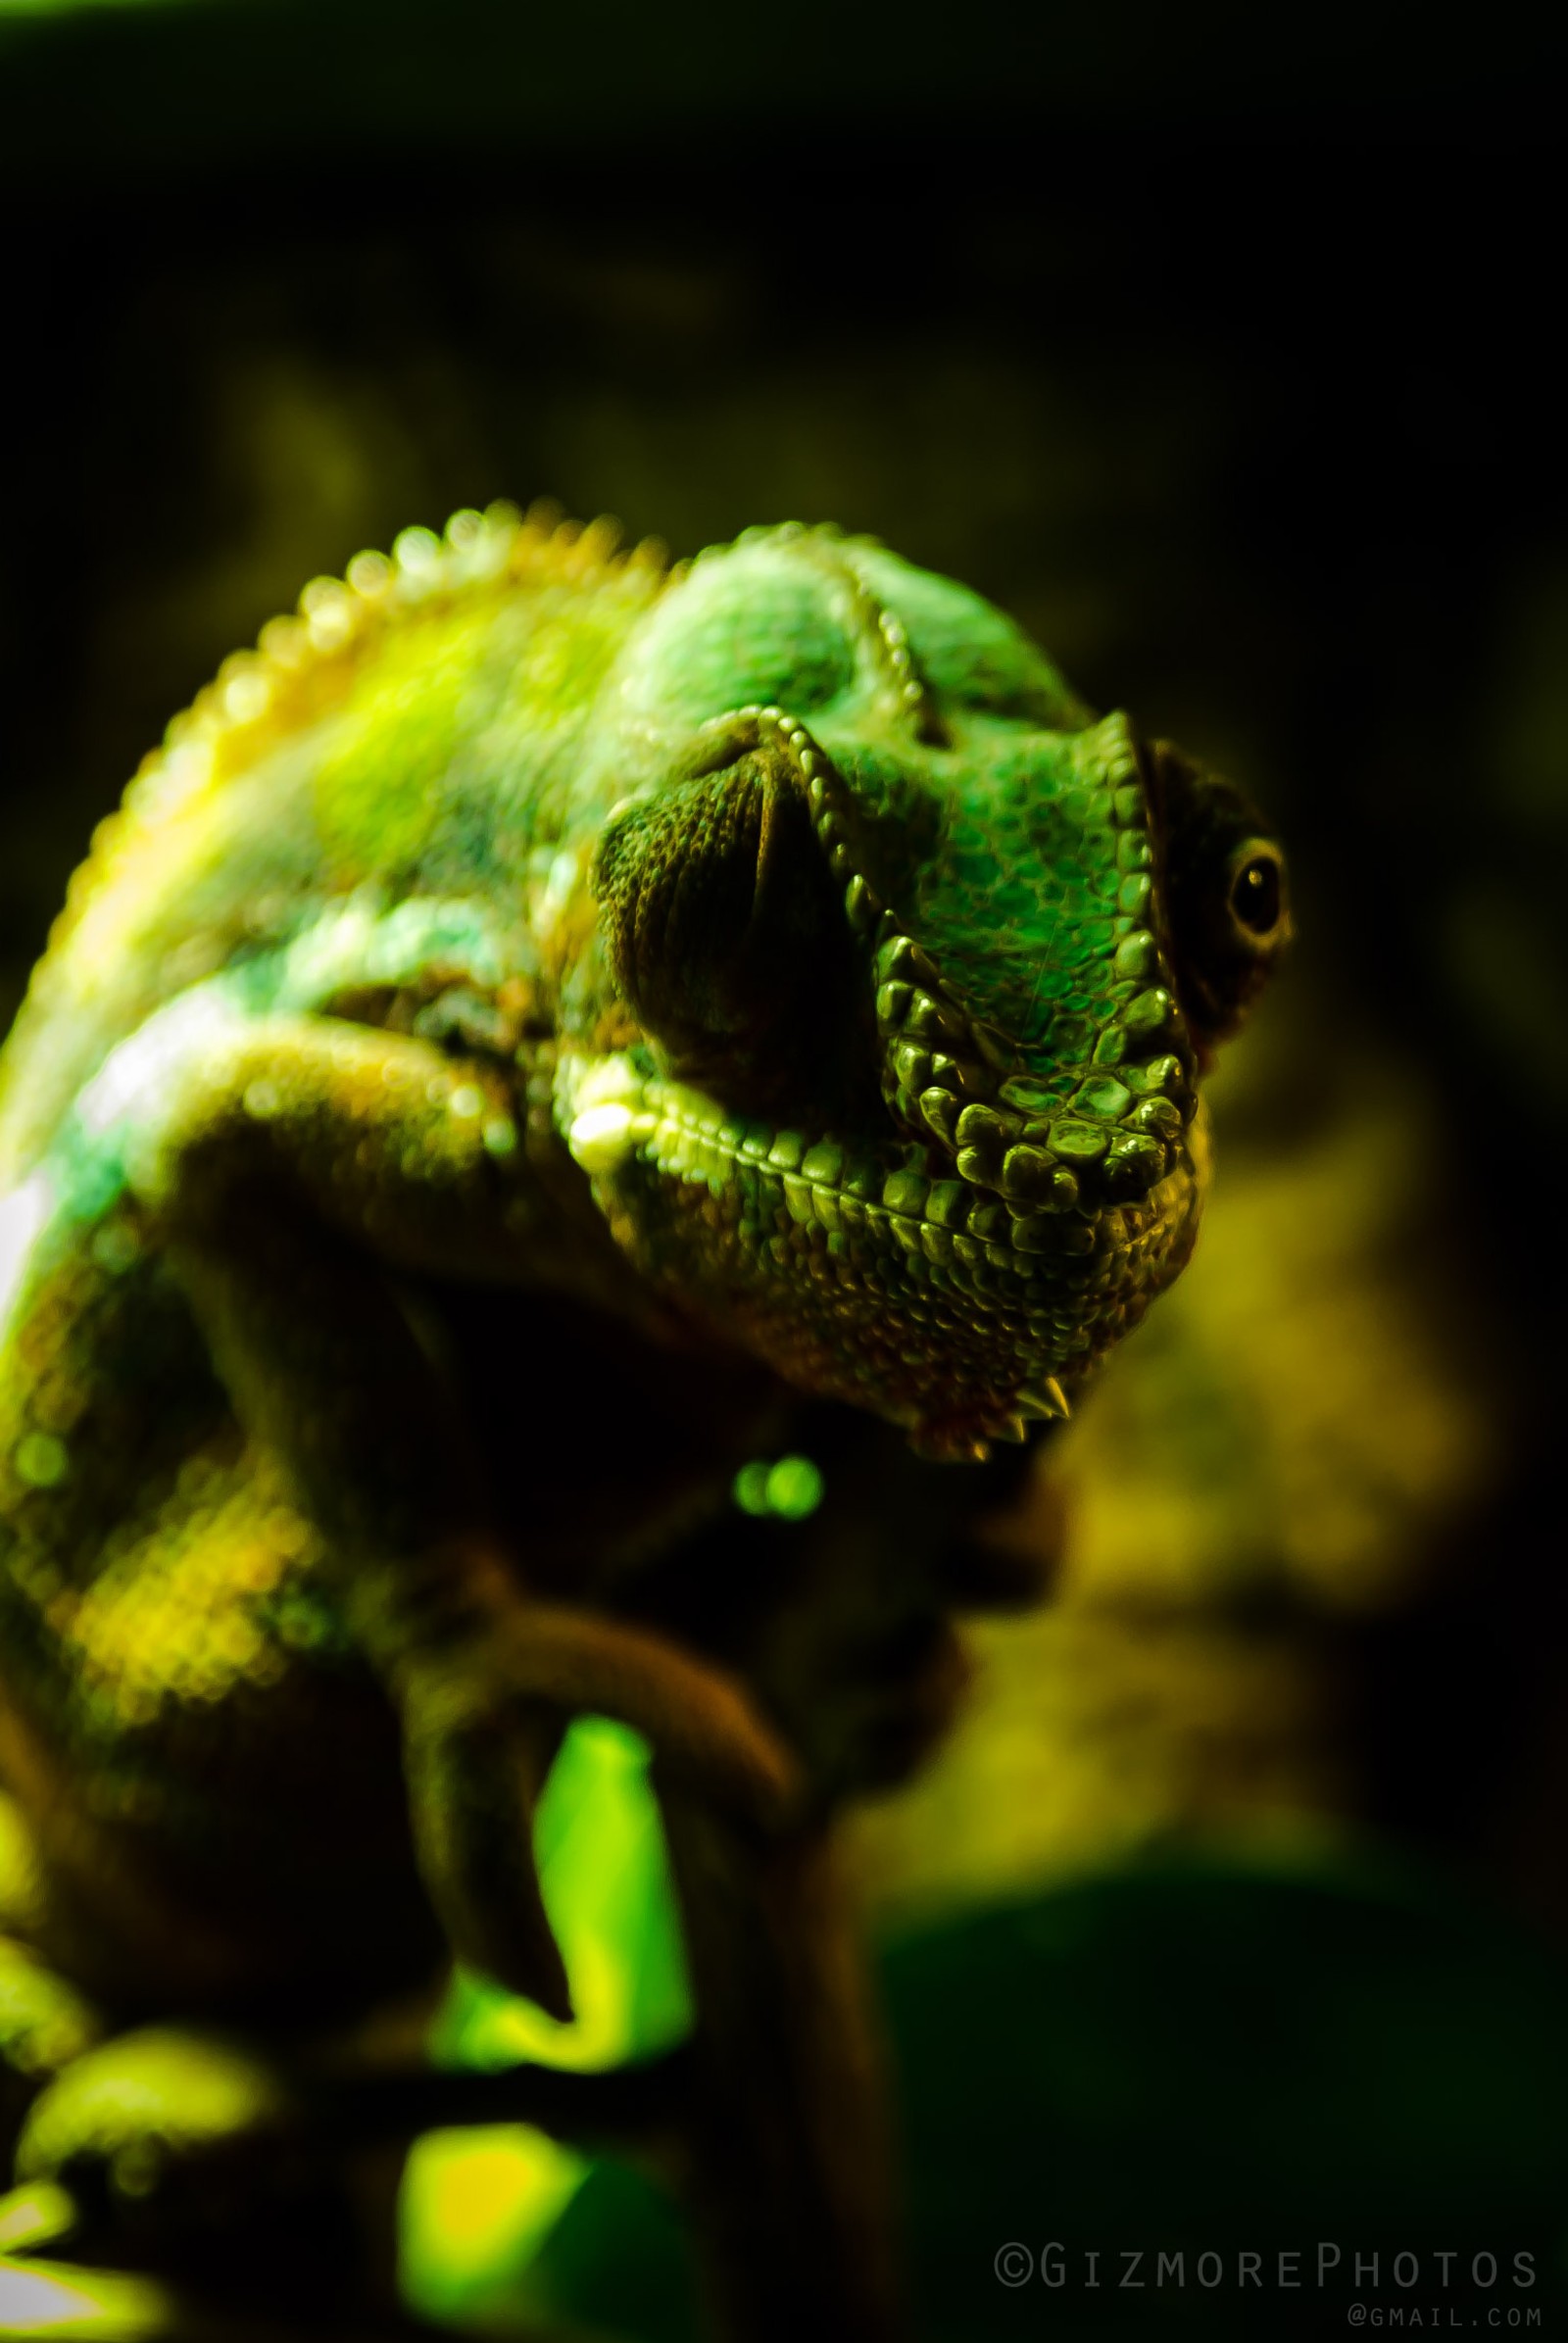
{"points": [[884, 1053]]}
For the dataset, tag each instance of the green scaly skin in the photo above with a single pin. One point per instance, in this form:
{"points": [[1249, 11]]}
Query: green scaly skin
{"points": [[768, 957]]}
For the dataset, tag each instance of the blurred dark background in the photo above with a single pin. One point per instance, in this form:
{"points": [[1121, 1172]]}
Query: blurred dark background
{"points": [[1220, 345]]}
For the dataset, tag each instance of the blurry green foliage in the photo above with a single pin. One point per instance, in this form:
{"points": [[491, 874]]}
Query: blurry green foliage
{"points": [[1200, 2056], [1185, 2055]]}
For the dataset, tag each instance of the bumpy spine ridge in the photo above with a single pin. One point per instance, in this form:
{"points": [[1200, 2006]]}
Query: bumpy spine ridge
{"points": [[304, 660]]}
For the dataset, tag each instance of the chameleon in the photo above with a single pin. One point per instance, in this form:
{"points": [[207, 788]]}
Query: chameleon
{"points": [[536, 1012]]}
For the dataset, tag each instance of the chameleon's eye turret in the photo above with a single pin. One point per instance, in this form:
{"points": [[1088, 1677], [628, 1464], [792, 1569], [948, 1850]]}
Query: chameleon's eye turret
{"points": [[726, 934], [1228, 892]]}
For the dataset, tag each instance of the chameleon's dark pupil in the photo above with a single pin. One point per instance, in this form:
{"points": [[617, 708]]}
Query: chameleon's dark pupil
{"points": [[1255, 895]]}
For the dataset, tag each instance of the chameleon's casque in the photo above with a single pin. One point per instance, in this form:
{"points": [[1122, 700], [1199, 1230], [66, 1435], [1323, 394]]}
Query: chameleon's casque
{"points": [[769, 950]]}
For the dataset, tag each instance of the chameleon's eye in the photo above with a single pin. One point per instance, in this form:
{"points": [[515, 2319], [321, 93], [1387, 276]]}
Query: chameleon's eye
{"points": [[725, 932], [1257, 895]]}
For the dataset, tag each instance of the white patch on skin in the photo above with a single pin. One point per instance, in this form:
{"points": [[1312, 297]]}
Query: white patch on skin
{"points": [[134, 1082], [24, 1216], [604, 1112], [601, 1136]]}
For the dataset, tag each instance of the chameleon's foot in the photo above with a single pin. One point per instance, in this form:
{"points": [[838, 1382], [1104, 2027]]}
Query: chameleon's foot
{"points": [[481, 1726], [156, 2136], [193, 2159]]}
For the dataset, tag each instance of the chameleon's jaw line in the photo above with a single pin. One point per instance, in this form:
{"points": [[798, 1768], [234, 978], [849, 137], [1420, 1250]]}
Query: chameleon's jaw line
{"points": [[872, 1211]]}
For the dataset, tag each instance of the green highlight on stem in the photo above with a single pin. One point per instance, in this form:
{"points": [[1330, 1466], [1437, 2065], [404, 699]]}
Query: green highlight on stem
{"points": [[478, 2203]]}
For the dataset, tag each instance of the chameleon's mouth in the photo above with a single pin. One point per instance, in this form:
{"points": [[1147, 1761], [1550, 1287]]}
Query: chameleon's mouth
{"points": [[864, 1268], [615, 1112]]}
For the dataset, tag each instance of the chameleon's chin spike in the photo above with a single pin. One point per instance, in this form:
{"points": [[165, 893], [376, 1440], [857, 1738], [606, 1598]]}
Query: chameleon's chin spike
{"points": [[1011, 1428], [1046, 1399], [939, 1443]]}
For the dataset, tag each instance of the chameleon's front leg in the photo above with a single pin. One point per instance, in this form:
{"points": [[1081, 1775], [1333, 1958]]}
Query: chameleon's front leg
{"points": [[287, 1163], [273, 1153]]}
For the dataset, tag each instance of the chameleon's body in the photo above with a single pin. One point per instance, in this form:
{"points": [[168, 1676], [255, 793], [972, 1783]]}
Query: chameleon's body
{"points": [[770, 958]]}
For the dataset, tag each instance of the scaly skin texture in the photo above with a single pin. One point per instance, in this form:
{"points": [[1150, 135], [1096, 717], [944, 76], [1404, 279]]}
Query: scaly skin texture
{"points": [[759, 976]]}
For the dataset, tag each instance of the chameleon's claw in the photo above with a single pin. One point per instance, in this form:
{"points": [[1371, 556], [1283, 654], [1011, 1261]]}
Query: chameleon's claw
{"points": [[473, 1780]]}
